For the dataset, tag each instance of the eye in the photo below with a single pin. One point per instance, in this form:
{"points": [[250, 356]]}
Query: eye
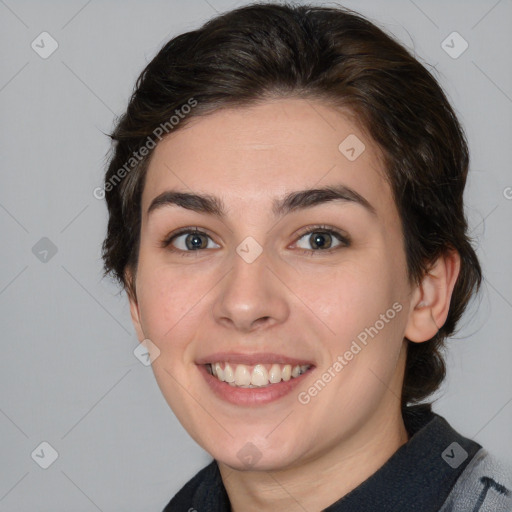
{"points": [[189, 240], [322, 239]]}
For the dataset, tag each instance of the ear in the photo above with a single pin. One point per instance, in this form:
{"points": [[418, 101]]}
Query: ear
{"points": [[134, 306], [430, 300]]}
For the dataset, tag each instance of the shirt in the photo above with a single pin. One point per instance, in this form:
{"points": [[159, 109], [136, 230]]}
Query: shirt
{"points": [[437, 470]]}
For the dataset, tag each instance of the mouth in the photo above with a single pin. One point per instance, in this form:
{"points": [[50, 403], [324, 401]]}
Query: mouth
{"points": [[253, 380], [255, 376]]}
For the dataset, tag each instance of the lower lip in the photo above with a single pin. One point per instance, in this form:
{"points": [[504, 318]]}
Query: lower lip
{"points": [[251, 396]]}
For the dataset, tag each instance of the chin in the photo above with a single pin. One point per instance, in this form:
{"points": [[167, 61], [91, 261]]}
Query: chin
{"points": [[251, 457]]}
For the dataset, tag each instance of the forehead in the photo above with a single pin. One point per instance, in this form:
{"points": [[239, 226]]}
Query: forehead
{"points": [[252, 155]]}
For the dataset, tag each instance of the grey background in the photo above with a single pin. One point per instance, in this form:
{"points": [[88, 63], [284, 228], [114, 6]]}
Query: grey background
{"points": [[68, 373]]}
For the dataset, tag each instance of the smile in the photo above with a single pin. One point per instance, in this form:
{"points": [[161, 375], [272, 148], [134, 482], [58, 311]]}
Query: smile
{"points": [[255, 376]]}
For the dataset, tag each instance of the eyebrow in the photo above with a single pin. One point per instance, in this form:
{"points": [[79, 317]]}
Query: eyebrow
{"points": [[297, 200]]}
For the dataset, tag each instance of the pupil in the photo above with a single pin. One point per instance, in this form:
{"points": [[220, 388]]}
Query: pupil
{"points": [[319, 240], [193, 239]]}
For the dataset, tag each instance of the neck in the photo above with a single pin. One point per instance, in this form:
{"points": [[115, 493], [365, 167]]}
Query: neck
{"points": [[320, 481]]}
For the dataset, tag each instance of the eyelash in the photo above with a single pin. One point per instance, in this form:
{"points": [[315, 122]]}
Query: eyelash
{"points": [[345, 241]]}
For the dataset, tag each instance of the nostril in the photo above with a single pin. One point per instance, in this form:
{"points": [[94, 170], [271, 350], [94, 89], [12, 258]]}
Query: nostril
{"points": [[262, 320]]}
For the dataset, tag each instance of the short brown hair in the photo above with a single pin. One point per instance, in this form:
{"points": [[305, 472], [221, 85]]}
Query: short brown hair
{"points": [[265, 51]]}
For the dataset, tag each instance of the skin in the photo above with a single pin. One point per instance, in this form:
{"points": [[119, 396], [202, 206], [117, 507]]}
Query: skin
{"points": [[309, 306]]}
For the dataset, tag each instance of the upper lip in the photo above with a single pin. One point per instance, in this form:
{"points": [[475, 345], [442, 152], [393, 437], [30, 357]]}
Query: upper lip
{"points": [[252, 359]]}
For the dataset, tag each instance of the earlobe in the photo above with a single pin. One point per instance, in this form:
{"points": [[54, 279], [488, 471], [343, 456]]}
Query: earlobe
{"points": [[430, 301]]}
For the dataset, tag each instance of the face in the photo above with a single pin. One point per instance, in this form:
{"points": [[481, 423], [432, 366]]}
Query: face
{"points": [[317, 280]]}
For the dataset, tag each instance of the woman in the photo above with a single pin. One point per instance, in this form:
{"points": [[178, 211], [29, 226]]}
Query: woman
{"points": [[286, 215]]}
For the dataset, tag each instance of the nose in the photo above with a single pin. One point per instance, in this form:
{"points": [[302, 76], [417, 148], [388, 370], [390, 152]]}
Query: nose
{"points": [[251, 297]]}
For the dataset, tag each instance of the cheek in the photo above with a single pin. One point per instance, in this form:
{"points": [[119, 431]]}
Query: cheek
{"points": [[350, 296], [168, 301], [365, 314], [362, 305]]}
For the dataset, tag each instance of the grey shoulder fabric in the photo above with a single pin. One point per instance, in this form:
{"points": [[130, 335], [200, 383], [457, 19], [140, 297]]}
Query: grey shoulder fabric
{"points": [[484, 486]]}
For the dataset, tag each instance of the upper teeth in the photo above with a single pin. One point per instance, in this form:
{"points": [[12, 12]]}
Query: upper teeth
{"points": [[257, 376]]}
